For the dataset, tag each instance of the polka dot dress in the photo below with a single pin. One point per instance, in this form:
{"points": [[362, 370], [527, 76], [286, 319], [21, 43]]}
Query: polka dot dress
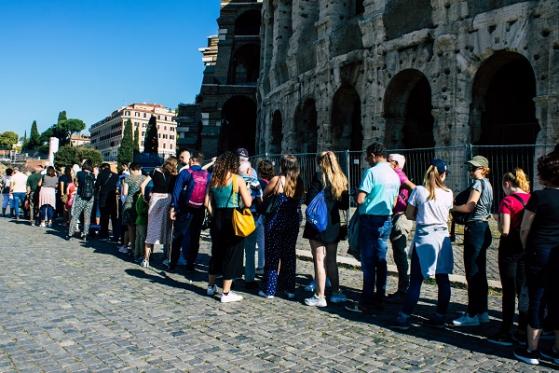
{"points": [[281, 231]]}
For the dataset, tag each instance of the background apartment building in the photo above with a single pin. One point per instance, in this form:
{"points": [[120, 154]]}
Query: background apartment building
{"points": [[106, 135]]}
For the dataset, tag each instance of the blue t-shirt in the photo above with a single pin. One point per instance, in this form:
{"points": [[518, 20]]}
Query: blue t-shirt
{"points": [[382, 185]]}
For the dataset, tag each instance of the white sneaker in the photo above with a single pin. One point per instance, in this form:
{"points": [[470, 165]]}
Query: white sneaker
{"points": [[231, 297], [483, 317], [338, 298], [466, 320], [145, 263], [262, 294], [123, 249], [43, 224], [316, 301], [212, 290]]}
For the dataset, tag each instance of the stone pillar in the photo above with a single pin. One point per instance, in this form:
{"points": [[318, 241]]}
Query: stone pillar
{"points": [[282, 31]]}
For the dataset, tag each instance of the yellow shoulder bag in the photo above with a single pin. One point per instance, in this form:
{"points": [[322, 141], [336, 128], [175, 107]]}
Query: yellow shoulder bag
{"points": [[243, 222]]}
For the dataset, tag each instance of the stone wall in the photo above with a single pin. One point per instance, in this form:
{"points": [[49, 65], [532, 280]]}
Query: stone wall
{"points": [[396, 71]]}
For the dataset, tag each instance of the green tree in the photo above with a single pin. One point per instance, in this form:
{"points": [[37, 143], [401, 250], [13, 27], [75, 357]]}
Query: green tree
{"points": [[126, 149], [61, 117], [68, 155], [34, 138], [8, 139], [151, 141], [137, 140]]}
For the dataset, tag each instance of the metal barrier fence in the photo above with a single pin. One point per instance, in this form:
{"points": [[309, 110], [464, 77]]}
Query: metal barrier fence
{"points": [[502, 158]]}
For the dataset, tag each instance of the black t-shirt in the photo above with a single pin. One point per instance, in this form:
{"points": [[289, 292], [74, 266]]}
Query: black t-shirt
{"points": [[545, 228], [163, 182]]}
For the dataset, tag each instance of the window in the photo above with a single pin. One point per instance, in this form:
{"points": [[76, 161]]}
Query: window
{"points": [[127, 113], [144, 115], [143, 125], [166, 118], [165, 128], [164, 145], [159, 135], [143, 133], [171, 146]]}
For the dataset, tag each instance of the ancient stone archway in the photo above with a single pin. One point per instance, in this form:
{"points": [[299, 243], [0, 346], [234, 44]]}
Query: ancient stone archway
{"points": [[248, 23], [407, 110], [238, 124], [503, 109], [306, 127], [277, 133], [245, 65], [503, 113], [346, 133]]}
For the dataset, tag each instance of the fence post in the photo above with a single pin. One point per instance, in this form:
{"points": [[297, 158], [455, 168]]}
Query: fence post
{"points": [[468, 156], [348, 163]]}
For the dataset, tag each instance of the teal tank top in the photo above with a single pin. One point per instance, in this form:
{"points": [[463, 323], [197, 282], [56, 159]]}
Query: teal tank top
{"points": [[223, 197]]}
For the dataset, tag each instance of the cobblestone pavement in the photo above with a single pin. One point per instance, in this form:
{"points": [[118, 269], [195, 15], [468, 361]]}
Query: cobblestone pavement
{"points": [[66, 306]]}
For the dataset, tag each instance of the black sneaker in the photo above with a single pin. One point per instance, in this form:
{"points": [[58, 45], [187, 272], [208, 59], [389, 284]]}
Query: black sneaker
{"points": [[532, 358], [551, 355], [397, 297], [501, 339], [436, 321]]}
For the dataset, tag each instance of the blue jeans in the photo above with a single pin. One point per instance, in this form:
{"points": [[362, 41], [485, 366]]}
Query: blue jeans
{"points": [[19, 198], [416, 280], [47, 212], [374, 232], [186, 235]]}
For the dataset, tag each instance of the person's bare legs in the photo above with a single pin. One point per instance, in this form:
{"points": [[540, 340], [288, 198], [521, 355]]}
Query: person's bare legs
{"points": [[319, 257], [227, 286], [147, 252], [533, 338]]}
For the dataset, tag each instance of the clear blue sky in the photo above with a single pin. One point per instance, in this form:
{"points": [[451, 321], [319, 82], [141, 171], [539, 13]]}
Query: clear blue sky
{"points": [[90, 57]]}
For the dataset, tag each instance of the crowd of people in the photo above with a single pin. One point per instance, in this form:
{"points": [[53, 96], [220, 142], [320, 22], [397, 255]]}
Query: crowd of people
{"points": [[257, 212]]}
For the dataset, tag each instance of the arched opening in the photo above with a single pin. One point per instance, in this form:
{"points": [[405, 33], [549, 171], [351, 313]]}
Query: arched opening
{"points": [[503, 109], [248, 23], [503, 113], [305, 127], [245, 65], [409, 123], [238, 124], [347, 133], [407, 110], [277, 133]]}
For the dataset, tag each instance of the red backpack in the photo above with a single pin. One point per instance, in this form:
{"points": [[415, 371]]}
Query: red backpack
{"points": [[198, 195]]}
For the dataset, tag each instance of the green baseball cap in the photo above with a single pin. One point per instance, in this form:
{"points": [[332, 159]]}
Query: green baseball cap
{"points": [[478, 161]]}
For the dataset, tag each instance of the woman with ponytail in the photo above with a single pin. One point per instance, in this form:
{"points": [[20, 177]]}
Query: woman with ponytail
{"points": [[324, 245], [282, 228], [511, 264], [429, 205]]}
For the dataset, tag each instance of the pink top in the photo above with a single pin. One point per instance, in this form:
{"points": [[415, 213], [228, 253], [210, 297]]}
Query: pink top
{"points": [[403, 194], [71, 192], [512, 206]]}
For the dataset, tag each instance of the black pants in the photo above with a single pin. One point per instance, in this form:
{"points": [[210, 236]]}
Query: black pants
{"points": [[227, 248], [186, 235], [512, 271], [109, 211], [477, 238]]}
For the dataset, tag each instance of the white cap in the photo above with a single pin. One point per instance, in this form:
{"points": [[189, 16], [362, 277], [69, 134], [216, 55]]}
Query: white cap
{"points": [[398, 158]]}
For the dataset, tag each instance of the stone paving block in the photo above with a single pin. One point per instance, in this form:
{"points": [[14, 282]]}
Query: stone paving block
{"points": [[80, 308]]}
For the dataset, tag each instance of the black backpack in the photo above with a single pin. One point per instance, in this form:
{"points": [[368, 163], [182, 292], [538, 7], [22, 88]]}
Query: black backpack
{"points": [[87, 190], [462, 198]]}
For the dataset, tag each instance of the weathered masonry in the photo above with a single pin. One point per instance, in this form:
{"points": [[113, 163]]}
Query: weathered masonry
{"points": [[227, 100], [339, 74]]}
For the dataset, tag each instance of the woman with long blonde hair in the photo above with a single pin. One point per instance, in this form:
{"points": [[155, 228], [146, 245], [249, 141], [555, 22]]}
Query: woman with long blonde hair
{"points": [[159, 229], [429, 205], [324, 245], [282, 228]]}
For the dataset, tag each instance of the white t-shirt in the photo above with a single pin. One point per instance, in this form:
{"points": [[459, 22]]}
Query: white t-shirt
{"points": [[434, 211], [19, 182]]}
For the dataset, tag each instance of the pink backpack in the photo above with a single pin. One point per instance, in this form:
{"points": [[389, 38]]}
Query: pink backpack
{"points": [[198, 194]]}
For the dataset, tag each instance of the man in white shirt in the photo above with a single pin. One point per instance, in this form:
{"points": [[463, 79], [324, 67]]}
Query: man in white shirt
{"points": [[18, 189]]}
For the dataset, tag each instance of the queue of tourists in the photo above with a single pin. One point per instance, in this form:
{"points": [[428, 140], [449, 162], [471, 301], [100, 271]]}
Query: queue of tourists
{"points": [[254, 215]]}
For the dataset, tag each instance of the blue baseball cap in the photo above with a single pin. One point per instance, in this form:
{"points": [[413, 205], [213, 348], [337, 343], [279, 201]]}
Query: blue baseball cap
{"points": [[440, 165]]}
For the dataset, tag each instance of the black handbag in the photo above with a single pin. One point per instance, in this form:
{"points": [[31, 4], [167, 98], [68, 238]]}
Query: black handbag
{"points": [[461, 198]]}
